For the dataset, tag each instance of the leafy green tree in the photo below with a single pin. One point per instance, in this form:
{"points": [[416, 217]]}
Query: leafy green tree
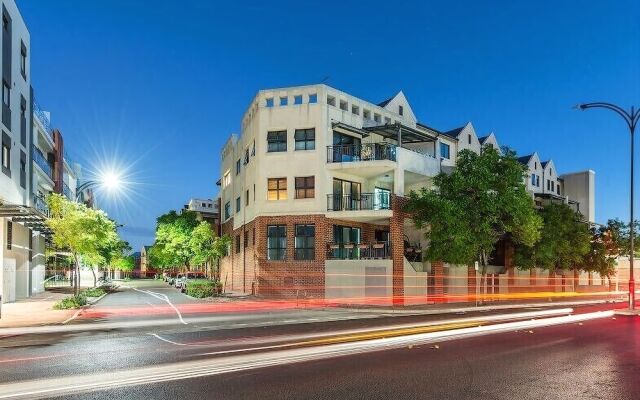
{"points": [[124, 263], [80, 230], [483, 201], [159, 258], [173, 232], [564, 241], [207, 247]]}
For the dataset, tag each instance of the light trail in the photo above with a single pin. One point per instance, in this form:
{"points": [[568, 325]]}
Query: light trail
{"points": [[49, 387]]}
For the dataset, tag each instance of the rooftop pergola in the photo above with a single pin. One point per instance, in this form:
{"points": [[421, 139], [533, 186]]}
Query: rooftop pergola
{"points": [[27, 216], [402, 133]]}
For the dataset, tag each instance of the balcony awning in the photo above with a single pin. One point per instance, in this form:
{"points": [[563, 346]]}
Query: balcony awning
{"points": [[27, 216], [351, 129], [402, 133]]}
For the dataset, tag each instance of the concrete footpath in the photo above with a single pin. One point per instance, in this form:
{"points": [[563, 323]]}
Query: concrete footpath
{"points": [[34, 311]]}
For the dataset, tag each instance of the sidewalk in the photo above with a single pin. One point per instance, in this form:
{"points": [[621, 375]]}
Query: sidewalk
{"points": [[34, 311]]}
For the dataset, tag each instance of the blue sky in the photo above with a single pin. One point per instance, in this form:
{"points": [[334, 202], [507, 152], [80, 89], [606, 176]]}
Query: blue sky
{"points": [[160, 85]]}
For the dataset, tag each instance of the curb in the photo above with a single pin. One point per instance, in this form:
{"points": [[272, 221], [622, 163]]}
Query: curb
{"points": [[86, 306]]}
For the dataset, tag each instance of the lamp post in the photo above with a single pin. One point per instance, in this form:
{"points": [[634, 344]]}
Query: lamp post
{"points": [[631, 118]]}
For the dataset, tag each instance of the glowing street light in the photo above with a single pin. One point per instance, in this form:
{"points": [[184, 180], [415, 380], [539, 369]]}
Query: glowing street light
{"points": [[109, 180]]}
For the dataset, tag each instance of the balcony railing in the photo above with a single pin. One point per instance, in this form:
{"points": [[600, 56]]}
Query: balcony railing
{"points": [[42, 117], [68, 192], [358, 251], [40, 204], [362, 201], [41, 161], [361, 152]]}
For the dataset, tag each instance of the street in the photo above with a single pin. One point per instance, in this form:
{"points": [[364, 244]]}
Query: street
{"points": [[330, 353]]}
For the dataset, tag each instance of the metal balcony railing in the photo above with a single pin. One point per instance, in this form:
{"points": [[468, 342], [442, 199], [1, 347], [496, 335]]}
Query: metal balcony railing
{"points": [[361, 152], [40, 204], [71, 195], [358, 251], [362, 201], [41, 161], [42, 117]]}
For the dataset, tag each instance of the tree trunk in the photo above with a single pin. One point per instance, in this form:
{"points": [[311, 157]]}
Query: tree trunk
{"points": [[76, 278], [95, 278], [483, 278]]}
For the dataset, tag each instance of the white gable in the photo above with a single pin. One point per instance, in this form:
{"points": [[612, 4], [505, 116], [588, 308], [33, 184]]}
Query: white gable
{"points": [[394, 104]]}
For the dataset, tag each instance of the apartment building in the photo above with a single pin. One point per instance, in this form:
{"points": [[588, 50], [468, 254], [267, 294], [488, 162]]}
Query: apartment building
{"points": [[312, 193], [206, 210]]}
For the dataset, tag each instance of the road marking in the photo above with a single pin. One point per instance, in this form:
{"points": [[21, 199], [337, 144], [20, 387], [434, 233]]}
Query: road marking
{"points": [[74, 316], [59, 386], [163, 297], [167, 340]]}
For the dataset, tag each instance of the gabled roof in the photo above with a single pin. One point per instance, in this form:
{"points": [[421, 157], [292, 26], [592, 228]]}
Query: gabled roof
{"points": [[544, 163], [525, 159], [384, 103], [483, 139], [454, 132]]}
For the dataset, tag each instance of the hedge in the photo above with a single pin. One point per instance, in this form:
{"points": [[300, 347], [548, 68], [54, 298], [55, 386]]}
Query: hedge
{"points": [[201, 288], [70, 302]]}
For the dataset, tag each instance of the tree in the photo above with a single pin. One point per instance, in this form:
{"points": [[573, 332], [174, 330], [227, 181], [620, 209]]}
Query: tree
{"points": [[207, 247], [173, 233], [564, 241], [483, 201], [78, 229], [124, 263]]}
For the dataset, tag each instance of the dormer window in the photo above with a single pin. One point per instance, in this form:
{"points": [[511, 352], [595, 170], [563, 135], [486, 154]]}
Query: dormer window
{"points": [[400, 110]]}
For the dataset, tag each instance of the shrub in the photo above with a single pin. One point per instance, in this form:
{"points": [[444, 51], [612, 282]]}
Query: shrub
{"points": [[201, 288], [71, 302], [94, 292]]}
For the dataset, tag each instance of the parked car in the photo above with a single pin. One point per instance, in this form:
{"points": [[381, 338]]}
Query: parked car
{"points": [[189, 276], [175, 282], [168, 276]]}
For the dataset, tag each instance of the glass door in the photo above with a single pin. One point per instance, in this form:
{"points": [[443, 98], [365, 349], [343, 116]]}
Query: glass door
{"points": [[347, 238], [345, 148], [381, 199]]}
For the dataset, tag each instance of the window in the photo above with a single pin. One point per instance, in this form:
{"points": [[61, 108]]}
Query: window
{"points": [[227, 210], [558, 189], [553, 186], [23, 121], [277, 189], [253, 148], [305, 139], [366, 114], [331, 101], [246, 156], [444, 150], [246, 198], [537, 180], [276, 242], [535, 165], [9, 235], [305, 242], [355, 110], [6, 93], [246, 239], [276, 141], [254, 192], [305, 187], [469, 138], [550, 171], [270, 102], [297, 99], [377, 117], [226, 179], [548, 184], [313, 98], [23, 169], [400, 110], [387, 121], [6, 154], [237, 243], [237, 204], [533, 179], [238, 166], [344, 105], [23, 59], [284, 100]]}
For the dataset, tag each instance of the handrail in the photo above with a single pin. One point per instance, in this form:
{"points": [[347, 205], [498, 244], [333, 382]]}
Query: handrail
{"points": [[41, 161], [361, 152], [358, 251], [362, 201]]}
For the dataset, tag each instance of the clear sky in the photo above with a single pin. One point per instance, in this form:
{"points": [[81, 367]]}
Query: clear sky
{"points": [[160, 85]]}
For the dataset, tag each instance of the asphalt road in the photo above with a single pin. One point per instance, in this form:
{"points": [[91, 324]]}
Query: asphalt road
{"points": [[593, 359]]}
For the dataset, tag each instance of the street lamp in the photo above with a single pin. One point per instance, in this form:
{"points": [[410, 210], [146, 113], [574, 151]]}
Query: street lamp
{"points": [[631, 118]]}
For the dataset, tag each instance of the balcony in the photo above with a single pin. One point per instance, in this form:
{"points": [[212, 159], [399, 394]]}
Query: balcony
{"points": [[361, 152], [362, 201], [66, 190], [40, 204], [359, 251], [42, 162], [42, 117]]}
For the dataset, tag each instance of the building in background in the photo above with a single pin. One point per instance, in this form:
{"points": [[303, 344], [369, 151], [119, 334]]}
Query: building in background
{"points": [[146, 268], [207, 210], [137, 264], [312, 194]]}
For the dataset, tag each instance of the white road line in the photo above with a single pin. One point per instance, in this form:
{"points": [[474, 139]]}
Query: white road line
{"points": [[59, 386], [163, 297], [167, 340]]}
